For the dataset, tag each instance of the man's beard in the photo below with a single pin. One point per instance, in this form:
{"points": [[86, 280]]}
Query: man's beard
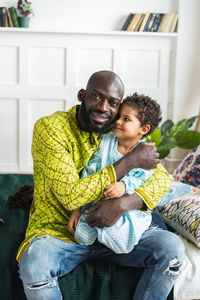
{"points": [[92, 127]]}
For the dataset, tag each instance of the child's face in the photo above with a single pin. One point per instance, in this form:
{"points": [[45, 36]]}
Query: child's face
{"points": [[128, 125]]}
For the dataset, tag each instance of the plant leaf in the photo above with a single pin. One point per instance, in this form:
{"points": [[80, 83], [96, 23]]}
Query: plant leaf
{"points": [[188, 139], [155, 137], [182, 125], [163, 154], [166, 127], [191, 121], [167, 144]]}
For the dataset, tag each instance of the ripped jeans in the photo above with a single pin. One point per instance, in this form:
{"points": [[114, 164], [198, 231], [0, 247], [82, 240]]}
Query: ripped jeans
{"points": [[159, 252]]}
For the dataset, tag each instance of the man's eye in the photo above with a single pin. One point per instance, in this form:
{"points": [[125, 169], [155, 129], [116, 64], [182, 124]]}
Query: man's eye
{"points": [[126, 119], [114, 103], [96, 96]]}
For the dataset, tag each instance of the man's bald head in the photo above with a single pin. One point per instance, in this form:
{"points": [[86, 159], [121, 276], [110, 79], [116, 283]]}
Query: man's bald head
{"points": [[104, 79]]}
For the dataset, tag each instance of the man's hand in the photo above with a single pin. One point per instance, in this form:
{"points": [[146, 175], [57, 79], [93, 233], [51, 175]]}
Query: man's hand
{"points": [[115, 190], [143, 156], [73, 221], [106, 212], [146, 156]]}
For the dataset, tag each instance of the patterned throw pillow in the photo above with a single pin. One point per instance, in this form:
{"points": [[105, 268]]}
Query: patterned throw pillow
{"points": [[178, 189], [189, 170], [183, 215]]}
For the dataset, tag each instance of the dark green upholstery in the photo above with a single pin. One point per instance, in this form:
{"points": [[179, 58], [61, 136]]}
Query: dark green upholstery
{"points": [[88, 281]]}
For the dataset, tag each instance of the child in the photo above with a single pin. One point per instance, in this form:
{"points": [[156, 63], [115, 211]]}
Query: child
{"points": [[139, 115]]}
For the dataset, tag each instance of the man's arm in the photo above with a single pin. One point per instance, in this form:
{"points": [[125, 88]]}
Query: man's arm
{"points": [[54, 167], [106, 213], [144, 156], [60, 172]]}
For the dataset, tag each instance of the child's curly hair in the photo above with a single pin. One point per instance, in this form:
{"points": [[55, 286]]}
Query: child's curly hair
{"points": [[149, 111]]}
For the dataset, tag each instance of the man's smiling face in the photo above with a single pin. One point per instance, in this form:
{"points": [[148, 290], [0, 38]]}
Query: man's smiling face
{"points": [[100, 103]]}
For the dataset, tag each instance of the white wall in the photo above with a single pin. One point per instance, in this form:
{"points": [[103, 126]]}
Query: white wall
{"points": [[90, 15], [187, 91], [106, 15]]}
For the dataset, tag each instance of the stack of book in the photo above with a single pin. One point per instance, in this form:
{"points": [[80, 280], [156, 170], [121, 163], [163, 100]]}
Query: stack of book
{"points": [[151, 22], [8, 17]]}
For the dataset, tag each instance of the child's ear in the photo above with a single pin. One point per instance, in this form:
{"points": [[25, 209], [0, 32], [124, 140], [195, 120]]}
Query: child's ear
{"points": [[145, 129], [81, 95]]}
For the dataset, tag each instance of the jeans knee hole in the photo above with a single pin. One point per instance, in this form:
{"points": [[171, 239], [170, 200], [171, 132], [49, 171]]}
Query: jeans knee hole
{"points": [[42, 285], [173, 267]]}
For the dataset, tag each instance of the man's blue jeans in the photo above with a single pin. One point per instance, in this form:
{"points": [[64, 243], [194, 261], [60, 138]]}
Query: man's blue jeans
{"points": [[159, 252]]}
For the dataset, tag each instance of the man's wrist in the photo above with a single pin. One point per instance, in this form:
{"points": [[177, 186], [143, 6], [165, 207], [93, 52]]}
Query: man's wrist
{"points": [[129, 202], [124, 165]]}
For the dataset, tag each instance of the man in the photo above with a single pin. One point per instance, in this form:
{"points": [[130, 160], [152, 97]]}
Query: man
{"points": [[62, 145]]}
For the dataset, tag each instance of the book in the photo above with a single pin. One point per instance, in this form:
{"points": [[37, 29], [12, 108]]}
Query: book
{"points": [[127, 21], [169, 22], [159, 21], [151, 22], [146, 16], [163, 23], [10, 22], [174, 23], [13, 14], [155, 23], [147, 23], [136, 21], [131, 22], [3, 17], [139, 22]]}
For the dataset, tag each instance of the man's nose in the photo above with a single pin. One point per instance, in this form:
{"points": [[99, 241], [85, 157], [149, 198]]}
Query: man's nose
{"points": [[103, 105]]}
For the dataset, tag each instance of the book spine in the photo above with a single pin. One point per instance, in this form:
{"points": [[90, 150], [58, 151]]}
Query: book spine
{"points": [[155, 23], [150, 26], [126, 23], [169, 22], [174, 23], [147, 23], [163, 23], [146, 16], [136, 21], [131, 22], [140, 22], [159, 22], [10, 22], [13, 14], [3, 16]]}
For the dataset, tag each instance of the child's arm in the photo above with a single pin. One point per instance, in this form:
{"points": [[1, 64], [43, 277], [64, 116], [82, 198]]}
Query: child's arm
{"points": [[130, 182], [115, 190], [73, 220]]}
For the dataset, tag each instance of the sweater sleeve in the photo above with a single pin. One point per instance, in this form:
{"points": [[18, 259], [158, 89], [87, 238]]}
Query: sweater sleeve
{"points": [[155, 187], [135, 178], [59, 172]]}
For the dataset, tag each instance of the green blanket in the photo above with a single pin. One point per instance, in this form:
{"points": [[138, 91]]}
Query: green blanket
{"points": [[88, 281]]}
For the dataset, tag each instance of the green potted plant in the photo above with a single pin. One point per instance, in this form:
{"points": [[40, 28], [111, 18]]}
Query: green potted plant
{"points": [[24, 12], [170, 135]]}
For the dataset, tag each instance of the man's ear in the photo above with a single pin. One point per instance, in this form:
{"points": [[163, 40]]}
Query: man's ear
{"points": [[81, 95]]}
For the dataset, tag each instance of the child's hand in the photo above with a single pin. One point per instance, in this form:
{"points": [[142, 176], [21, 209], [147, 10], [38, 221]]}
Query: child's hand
{"points": [[73, 221], [115, 190]]}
